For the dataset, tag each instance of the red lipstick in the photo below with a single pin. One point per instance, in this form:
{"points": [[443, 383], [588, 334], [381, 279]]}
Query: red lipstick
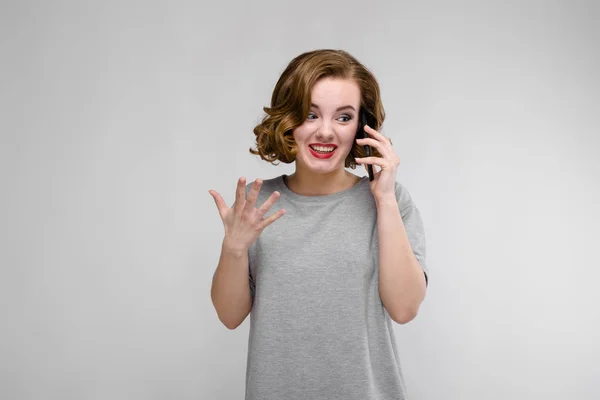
{"points": [[322, 155]]}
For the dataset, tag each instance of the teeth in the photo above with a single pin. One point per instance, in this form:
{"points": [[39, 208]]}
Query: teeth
{"points": [[321, 148]]}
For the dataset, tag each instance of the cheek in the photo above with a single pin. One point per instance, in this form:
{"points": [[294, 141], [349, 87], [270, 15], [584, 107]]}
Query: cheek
{"points": [[300, 134], [350, 136]]}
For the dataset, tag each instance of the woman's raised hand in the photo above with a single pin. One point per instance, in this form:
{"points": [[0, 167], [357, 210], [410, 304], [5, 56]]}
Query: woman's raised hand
{"points": [[243, 222]]}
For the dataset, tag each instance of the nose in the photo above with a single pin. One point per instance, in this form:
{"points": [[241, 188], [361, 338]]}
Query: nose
{"points": [[324, 133]]}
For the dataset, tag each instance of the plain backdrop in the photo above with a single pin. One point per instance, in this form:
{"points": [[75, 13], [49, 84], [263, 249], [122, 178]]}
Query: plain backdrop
{"points": [[117, 117]]}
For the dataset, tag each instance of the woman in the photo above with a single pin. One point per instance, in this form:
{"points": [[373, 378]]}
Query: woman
{"points": [[327, 273]]}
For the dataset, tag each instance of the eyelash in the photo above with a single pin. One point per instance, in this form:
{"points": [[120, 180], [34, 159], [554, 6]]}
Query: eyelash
{"points": [[345, 115]]}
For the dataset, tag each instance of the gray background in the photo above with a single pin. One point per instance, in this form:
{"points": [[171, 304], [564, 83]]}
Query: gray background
{"points": [[117, 117]]}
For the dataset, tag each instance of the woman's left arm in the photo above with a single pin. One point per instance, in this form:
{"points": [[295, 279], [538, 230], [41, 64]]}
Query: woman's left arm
{"points": [[402, 282], [401, 279]]}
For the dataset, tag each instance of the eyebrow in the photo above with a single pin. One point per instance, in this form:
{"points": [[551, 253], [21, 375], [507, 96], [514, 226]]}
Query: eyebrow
{"points": [[338, 109]]}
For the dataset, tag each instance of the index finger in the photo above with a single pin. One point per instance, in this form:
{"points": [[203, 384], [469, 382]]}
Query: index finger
{"points": [[376, 134]]}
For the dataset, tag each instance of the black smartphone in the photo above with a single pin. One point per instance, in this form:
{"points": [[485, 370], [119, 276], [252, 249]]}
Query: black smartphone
{"points": [[361, 134]]}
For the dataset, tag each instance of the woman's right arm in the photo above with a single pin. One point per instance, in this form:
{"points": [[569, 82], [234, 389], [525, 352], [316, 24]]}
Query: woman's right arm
{"points": [[230, 292], [243, 223]]}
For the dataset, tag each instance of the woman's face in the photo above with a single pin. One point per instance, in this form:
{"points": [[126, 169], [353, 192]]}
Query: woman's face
{"points": [[331, 124]]}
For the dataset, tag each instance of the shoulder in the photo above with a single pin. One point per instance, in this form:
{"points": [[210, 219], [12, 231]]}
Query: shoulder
{"points": [[267, 183], [403, 197]]}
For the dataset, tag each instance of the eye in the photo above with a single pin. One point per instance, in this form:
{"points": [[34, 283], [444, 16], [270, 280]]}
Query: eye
{"points": [[346, 117]]}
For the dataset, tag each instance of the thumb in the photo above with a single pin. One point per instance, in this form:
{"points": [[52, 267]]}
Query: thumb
{"points": [[221, 206]]}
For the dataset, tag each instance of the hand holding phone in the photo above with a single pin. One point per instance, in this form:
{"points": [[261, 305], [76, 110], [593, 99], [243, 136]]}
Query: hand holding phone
{"points": [[360, 134]]}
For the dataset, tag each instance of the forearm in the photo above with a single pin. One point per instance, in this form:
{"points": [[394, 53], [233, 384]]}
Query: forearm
{"points": [[230, 291], [401, 279]]}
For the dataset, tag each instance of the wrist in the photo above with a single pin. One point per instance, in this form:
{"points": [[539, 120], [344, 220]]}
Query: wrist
{"points": [[386, 200], [230, 247]]}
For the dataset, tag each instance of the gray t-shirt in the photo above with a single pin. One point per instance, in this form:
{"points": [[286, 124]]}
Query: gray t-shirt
{"points": [[318, 328]]}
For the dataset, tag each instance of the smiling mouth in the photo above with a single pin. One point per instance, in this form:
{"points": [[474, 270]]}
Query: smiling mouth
{"points": [[322, 149]]}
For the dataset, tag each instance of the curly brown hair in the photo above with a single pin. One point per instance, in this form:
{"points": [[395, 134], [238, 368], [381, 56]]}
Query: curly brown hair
{"points": [[291, 99]]}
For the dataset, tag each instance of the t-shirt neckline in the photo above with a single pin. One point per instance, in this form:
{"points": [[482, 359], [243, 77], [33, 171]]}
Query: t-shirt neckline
{"points": [[285, 190]]}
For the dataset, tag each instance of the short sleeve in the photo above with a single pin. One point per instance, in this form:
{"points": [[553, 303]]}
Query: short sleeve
{"points": [[413, 224]]}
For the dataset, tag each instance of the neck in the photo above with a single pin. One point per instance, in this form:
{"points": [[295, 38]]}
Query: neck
{"points": [[308, 183]]}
